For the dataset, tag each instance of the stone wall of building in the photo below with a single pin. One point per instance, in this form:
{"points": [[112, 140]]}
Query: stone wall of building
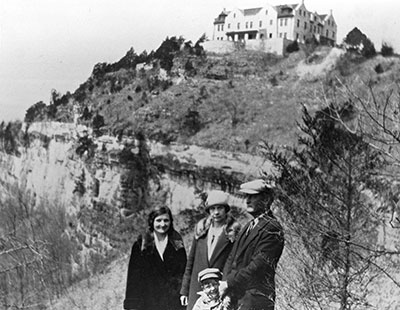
{"points": [[276, 46]]}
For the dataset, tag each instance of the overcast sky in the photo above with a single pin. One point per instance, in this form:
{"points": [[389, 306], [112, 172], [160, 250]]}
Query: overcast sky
{"points": [[54, 44]]}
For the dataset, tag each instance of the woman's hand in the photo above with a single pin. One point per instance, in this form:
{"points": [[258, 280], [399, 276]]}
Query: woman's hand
{"points": [[184, 301]]}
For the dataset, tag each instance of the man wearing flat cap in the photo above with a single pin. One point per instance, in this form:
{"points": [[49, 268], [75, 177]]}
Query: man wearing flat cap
{"points": [[211, 244], [249, 273]]}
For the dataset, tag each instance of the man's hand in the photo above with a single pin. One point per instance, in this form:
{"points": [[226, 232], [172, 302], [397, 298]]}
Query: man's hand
{"points": [[184, 301]]}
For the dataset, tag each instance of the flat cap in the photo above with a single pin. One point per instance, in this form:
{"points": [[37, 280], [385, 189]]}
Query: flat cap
{"points": [[209, 273], [255, 187]]}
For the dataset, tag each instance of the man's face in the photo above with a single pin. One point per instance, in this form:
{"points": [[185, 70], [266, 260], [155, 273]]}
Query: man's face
{"points": [[255, 203], [218, 213], [210, 287]]}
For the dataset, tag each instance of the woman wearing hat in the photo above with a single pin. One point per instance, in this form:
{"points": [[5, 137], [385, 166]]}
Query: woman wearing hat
{"points": [[212, 243], [156, 266]]}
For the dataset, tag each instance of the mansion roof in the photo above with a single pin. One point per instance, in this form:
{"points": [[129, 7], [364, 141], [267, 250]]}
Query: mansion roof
{"points": [[254, 11]]}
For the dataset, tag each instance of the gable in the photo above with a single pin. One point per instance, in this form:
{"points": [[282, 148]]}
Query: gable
{"points": [[286, 10], [254, 11]]}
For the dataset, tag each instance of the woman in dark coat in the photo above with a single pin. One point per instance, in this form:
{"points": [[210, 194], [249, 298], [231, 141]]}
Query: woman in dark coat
{"points": [[200, 257], [156, 266]]}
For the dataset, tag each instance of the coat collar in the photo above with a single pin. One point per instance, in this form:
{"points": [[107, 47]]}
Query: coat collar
{"points": [[174, 238], [204, 224], [263, 220]]}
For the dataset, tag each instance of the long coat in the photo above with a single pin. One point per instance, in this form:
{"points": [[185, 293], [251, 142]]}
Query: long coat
{"points": [[198, 256], [250, 269], [153, 283]]}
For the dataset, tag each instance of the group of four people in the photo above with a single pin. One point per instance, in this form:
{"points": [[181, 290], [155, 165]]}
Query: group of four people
{"points": [[242, 261]]}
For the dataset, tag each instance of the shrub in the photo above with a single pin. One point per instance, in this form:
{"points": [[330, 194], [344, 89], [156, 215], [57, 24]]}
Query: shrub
{"points": [[189, 68], [191, 123], [36, 112], [274, 81], [292, 47], [86, 114], [86, 145], [378, 69], [80, 187], [10, 136], [386, 50], [358, 42], [368, 49], [343, 65], [97, 123], [167, 50]]}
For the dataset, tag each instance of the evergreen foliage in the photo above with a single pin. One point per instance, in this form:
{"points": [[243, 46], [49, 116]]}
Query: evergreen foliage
{"points": [[10, 137], [36, 112], [323, 189], [80, 187], [97, 123], [167, 50], [191, 123], [387, 50], [293, 47], [135, 180], [86, 146], [358, 42]]}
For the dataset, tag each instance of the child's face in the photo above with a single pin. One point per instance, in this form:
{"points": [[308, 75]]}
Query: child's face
{"points": [[210, 287]]}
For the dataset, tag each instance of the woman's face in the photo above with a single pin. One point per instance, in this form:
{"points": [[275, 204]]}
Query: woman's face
{"points": [[161, 224], [218, 213]]}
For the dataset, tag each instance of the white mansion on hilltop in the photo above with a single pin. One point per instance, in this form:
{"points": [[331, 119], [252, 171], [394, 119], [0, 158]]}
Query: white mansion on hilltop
{"points": [[284, 23]]}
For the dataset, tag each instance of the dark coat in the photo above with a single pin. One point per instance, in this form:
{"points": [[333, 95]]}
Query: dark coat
{"points": [[198, 258], [153, 284], [250, 269]]}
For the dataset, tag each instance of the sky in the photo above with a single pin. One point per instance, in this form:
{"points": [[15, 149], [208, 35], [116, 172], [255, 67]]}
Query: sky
{"points": [[48, 44]]}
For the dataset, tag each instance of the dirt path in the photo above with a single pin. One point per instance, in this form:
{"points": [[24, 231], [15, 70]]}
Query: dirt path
{"points": [[314, 70]]}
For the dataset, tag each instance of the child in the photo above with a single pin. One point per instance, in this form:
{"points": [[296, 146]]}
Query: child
{"points": [[209, 296]]}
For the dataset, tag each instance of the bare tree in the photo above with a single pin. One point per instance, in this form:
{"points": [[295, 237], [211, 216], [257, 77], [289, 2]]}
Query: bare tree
{"points": [[373, 112], [34, 252]]}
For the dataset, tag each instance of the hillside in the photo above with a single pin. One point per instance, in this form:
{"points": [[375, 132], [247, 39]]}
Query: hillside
{"points": [[231, 101], [226, 102], [165, 127]]}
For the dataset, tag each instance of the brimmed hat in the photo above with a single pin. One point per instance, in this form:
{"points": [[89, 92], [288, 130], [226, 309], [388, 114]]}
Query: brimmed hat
{"points": [[209, 273], [217, 197], [255, 187]]}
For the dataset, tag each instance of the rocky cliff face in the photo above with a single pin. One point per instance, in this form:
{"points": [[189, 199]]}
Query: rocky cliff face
{"points": [[94, 180]]}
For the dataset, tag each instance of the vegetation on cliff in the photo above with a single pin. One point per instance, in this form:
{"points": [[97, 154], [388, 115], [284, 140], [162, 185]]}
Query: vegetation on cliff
{"points": [[334, 165]]}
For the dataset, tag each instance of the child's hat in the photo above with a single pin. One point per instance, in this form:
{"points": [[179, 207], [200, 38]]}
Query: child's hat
{"points": [[209, 273]]}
